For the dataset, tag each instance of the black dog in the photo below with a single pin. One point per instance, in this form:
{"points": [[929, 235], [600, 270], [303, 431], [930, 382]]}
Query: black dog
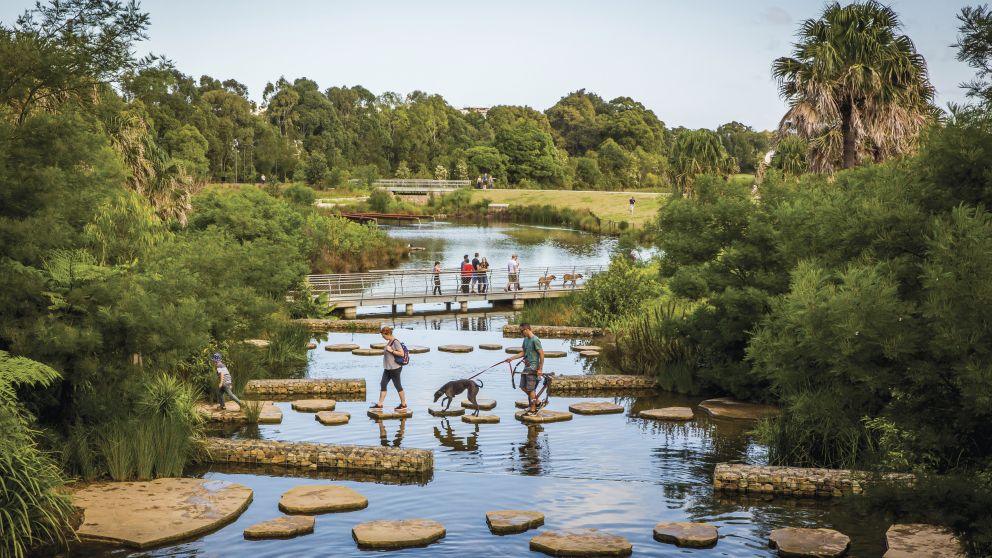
{"points": [[454, 387]]}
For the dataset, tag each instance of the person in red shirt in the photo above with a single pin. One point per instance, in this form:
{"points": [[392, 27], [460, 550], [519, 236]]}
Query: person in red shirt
{"points": [[468, 270]]}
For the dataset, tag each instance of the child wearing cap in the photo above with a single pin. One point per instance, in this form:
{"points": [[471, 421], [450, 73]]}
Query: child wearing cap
{"points": [[224, 381]]}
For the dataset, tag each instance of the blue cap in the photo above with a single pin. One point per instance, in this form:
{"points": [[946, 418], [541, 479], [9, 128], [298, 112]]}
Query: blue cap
{"points": [[215, 357]]}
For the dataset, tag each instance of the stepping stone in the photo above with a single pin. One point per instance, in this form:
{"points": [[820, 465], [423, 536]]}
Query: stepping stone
{"points": [[480, 419], [581, 542], [513, 350], [729, 408], [906, 540], [377, 345], [321, 498], [589, 354], [313, 405], [153, 513], [285, 527], [542, 416], [417, 349], [386, 414], [341, 347], [505, 522], [668, 413], [819, 543], [692, 535], [490, 346], [585, 348], [232, 413], [456, 348], [555, 354], [390, 535], [522, 404], [441, 412], [311, 346], [483, 404], [368, 352], [332, 418], [270, 413], [595, 408]]}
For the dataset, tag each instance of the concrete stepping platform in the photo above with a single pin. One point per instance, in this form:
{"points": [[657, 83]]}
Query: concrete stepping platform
{"points": [[341, 347], [668, 413], [368, 352], [490, 346], [380, 345], [585, 348], [505, 522], [332, 418], [907, 540], [801, 542], [542, 416], [311, 346], [521, 404], [441, 412], [313, 405], [483, 404], [589, 354], [321, 498], [581, 542], [392, 535], [387, 414], [418, 349], [513, 350], [285, 527], [480, 419], [595, 408], [153, 513], [686, 534], [232, 413], [555, 354], [729, 408], [456, 348]]}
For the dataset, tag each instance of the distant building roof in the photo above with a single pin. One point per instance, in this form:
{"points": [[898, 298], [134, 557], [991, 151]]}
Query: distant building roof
{"points": [[476, 110]]}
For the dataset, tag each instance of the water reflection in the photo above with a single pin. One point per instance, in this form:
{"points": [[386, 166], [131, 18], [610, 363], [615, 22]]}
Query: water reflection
{"points": [[527, 457], [384, 434], [445, 435]]}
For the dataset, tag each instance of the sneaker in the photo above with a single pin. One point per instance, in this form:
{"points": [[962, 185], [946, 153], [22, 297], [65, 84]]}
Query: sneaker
{"points": [[400, 408], [376, 406]]}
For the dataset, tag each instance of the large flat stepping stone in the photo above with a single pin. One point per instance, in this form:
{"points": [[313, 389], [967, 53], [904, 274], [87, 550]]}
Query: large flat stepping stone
{"points": [[388, 414], [480, 419], [585, 348], [270, 414], [581, 542], [687, 534], [818, 543], [483, 404], [341, 347], [368, 352], [147, 514], [332, 418], [321, 498], [418, 349], [285, 527], [522, 404], [441, 412], [729, 408], [505, 522], [390, 535], [513, 350], [907, 540], [233, 413], [542, 416], [668, 413], [313, 405], [595, 408], [377, 345], [589, 354], [490, 346], [456, 348], [555, 354], [311, 346]]}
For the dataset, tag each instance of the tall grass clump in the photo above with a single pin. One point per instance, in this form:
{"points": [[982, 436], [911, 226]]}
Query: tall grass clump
{"points": [[652, 344], [562, 311], [252, 409], [117, 447], [288, 348], [168, 405], [78, 457]]}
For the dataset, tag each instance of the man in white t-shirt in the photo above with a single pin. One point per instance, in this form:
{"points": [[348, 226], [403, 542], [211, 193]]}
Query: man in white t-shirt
{"points": [[223, 381]]}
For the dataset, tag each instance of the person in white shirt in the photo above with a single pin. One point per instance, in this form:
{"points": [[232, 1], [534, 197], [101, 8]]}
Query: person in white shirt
{"points": [[223, 381]]}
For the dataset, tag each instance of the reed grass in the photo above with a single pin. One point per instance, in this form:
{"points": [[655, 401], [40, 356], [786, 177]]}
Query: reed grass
{"points": [[252, 410], [144, 442], [118, 451]]}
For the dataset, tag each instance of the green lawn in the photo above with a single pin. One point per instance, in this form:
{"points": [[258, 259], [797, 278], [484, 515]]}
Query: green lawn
{"points": [[606, 205]]}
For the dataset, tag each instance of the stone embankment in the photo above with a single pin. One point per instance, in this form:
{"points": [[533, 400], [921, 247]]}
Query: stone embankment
{"points": [[306, 455], [363, 326], [594, 382], [342, 388], [793, 481], [558, 332]]}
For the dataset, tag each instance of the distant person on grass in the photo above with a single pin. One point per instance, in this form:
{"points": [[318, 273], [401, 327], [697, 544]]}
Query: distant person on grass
{"points": [[391, 368], [533, 355], [632, 202], [223, 381]]}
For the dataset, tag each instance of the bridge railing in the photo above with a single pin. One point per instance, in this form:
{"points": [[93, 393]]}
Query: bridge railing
{"points": [[379, 287], [418, 183]]}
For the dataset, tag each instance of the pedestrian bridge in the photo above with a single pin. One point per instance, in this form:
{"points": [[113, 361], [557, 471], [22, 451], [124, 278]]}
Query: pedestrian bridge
{"points": [[407, 287]]}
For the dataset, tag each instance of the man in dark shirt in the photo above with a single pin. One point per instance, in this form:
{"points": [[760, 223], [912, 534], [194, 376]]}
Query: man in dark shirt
{"points": [[475, 272]]}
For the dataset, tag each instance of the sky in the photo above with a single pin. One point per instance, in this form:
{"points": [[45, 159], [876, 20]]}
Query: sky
{"points": [[697, 63]]}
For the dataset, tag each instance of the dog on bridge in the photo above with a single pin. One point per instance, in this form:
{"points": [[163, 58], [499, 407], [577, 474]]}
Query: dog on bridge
{"points": [[454, 387], [545, 282], [573, 278]]}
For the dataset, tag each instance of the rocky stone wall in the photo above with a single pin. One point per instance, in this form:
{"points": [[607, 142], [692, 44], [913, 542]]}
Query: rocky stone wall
{"points": [[305, 455], [797, 482], [351, 387], [601, 382], [563, 332], [363, 326]]}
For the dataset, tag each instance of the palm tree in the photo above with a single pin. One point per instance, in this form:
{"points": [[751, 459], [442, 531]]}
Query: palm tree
{"points": [[857, 90], [695, 152]]}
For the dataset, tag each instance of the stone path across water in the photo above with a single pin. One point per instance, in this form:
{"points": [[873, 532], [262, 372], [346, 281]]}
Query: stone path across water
{"points": [[595, 408], [483, 404], [341, 347], [313, 405], [581, 542], [388, 414], [321, 498], [490, 346], [480, 419], [728, 408], [687, 534], [332, 418], [542, 416], [441, 412], [284, 527], [456, 348], [392, 535], [818, 543], [504, 522], [368, 352], [907, 540], [668, 413]]}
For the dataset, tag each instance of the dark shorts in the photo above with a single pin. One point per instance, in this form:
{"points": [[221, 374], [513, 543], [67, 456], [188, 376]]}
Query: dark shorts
{"points": [[528, 382], [391, 376]]}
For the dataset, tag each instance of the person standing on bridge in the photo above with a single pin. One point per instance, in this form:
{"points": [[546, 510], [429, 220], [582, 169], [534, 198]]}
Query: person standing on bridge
{"points": [[513, 274], [437, 278], [478, 183], [483, 273], [475, 273], [468, 271]]}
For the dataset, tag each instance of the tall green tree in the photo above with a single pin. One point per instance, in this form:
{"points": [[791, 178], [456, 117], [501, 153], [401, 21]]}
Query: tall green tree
{"points": [[696, 152]]}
